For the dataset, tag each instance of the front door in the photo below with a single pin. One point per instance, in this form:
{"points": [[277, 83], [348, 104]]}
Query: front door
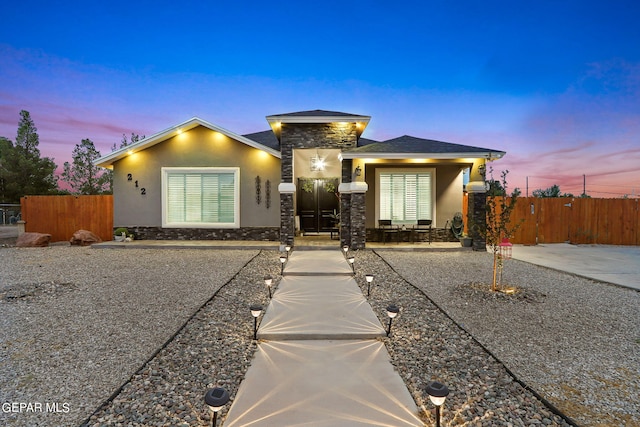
{"points": [[318, 204]]}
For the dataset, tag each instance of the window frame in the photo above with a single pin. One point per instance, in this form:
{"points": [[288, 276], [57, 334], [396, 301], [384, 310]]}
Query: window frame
{"points": [[165, 171], [415, 171]]}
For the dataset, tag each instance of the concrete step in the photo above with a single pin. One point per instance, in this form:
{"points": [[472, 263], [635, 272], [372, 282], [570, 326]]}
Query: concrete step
{"points": [[320, 307], [322, 383], [317, 263]]}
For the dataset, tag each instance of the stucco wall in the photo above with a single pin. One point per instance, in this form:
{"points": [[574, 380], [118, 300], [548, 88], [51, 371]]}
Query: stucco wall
{"points": [[199, 147]]}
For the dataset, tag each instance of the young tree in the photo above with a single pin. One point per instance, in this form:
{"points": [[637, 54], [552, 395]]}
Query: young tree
{"points": [[83, 176], [25, 172], [499, 207]]}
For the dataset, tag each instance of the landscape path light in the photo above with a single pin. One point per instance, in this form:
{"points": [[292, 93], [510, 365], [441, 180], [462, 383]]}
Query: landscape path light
{"points": [[283, 260], [216, 398], [392, 311], [268, 280], [256, 310], [369, 278], [345, 249], [438, 394], [287, 249], [351, 260]]}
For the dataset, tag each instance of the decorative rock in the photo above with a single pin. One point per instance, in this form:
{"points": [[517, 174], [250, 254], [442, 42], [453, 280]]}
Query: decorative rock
{"points": [[33, 240], [84, 238]]}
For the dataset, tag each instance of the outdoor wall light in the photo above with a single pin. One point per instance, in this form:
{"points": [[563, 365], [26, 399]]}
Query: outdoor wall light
{"points": [[351, 260], [358, 171], [369, 278], [392, 311], [438, 394], [268, 280], [283, 260], [256, 310], [216, 398]]}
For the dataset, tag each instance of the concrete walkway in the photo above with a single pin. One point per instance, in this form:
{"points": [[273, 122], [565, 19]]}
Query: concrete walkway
{"points": [[619, 265], [318, 361]]}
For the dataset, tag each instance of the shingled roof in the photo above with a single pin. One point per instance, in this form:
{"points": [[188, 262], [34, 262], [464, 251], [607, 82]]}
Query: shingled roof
{"points": [[412, 147]]}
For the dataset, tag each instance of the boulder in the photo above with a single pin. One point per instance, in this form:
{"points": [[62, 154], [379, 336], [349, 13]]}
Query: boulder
{"points": [[33, 240], [84, 238]]}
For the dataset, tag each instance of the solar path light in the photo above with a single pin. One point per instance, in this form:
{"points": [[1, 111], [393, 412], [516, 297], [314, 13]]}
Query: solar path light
{"points": [[256, 310], [345, 249], [216, 398], [351, 260], [268, 280], [283, 260], [369, 278], [287, 250], [392, 311], [437, 393]]}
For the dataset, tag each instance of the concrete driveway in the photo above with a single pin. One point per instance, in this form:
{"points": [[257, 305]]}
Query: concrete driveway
{"points": [[619, 265]]}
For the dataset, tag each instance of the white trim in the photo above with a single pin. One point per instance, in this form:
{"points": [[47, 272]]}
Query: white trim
{"points": [[353, 187], [491, 155], [194, 122], [477, 187], [236, 196], [286, 188], [432, 171], [318, 119]]}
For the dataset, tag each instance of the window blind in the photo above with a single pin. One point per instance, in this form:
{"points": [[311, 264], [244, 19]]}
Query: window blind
{"points": [[405, 197]]}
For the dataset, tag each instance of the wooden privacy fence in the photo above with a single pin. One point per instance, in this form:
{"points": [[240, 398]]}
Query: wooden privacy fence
{"points": [[576, 220], [61, 216]]}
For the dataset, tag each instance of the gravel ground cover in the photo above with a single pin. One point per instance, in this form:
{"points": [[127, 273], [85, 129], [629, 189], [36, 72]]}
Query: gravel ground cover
{"points": [[575, 341], [76, 323], [94, 336]]}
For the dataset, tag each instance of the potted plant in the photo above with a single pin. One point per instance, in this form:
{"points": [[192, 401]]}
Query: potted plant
{"points": [[465, 241], [120, 234]]}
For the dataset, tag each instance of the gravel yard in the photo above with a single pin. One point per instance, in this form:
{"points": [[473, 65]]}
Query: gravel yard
{"points": [[573, 340], [78, 323]]}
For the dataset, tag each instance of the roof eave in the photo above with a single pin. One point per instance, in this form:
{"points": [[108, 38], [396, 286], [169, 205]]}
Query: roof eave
{"points": [[108, 160], [489, 155]]}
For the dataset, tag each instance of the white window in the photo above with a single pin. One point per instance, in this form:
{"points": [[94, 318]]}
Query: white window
{"points": [[201, 197], [405, 196]]}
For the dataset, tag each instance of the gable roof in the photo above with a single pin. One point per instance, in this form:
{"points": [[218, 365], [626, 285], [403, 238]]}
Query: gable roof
{"points": [[109, 159], [419, 148]]}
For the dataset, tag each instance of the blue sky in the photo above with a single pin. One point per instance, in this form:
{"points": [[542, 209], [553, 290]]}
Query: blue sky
{"points": [[554, 84]]}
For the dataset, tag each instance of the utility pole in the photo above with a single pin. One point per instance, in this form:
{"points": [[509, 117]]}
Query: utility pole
{"points": [[527, 186], [584, 184]]}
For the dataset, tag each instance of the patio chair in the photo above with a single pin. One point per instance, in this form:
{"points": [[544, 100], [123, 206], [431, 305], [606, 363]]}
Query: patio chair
{"points": [[423, 226], [386, 227]]}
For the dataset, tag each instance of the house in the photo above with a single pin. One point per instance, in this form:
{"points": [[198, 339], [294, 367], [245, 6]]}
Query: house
{"points": [[311, 172]]}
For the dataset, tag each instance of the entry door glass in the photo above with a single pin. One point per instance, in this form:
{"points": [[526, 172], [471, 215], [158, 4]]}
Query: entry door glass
{"points": [[317, 204]]}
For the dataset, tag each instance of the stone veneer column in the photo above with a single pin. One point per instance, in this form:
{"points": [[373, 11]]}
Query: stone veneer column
{"points": [[345, 203], [477, 213], [358, 217], [287, 219]]}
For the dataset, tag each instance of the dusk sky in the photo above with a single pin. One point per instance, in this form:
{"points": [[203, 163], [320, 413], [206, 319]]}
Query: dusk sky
{"points": [[555, 84]]}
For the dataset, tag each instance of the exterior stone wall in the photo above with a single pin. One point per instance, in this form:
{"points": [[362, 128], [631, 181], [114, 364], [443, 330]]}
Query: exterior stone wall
{"points": [[345, 206], [477, 215], [247, 233], [287, 219], [437, 235], [358, 217]]}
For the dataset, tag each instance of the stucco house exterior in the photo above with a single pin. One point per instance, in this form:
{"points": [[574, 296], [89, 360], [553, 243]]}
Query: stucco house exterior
{"points": [[311, 172]]}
